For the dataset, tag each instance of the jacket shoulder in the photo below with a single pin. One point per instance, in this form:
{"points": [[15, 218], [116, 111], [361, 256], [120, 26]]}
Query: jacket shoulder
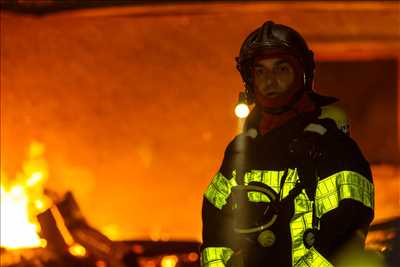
{"points": [[237, 151], [337, 114], [240, 143], [341, 153]]}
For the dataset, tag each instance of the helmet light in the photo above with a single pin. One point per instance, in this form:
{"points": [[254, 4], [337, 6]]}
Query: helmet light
{"points": [[242, 109]]}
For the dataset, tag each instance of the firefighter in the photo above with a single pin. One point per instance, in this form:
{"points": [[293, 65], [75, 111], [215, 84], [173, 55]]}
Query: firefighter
{"points": [[293, 189]]}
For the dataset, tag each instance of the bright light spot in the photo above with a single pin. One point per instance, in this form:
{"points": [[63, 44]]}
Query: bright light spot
{"points": [[193, 256], [43, 243], [34, 179], [242, 111], [17, 192], [39, 204], [77, 250], [169, 261], [17, 230], [22, 199]]}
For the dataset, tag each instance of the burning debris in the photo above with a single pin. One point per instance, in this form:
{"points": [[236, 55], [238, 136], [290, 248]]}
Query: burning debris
{"points": [[27, 236], [43, 228], [71, 241]]}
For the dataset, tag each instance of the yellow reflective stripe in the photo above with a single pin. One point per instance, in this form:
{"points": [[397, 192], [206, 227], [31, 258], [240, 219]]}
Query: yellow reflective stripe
{"points": [[330, 191], [218, 263], [272, 179], [291, 181], [298, 226], [313, 259], [255, 176], [343, 185], [215, 256], [220, 187], [219, 190], [302, 204]]}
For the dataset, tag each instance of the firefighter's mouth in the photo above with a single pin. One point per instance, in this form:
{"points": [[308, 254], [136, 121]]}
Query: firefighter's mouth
{"points": [[272, 94]]}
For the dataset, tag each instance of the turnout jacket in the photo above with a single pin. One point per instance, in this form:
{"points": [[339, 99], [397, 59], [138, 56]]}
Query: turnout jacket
{"points": [[341, 197]]}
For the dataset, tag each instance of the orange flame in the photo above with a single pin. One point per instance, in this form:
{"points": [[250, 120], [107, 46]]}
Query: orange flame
{"points": [[22, 199]]}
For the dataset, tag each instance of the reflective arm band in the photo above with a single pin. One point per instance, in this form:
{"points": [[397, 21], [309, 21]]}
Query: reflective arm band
{"points": [[219, 190], [343, 185], [313, 259], [215, 256]]}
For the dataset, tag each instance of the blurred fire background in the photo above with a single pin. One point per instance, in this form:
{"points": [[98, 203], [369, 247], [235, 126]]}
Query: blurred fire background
{"points": [[134, 100]]}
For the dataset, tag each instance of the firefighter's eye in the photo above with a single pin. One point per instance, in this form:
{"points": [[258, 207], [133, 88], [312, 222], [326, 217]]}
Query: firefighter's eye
{"points": [[283, 68], [259, 71]]}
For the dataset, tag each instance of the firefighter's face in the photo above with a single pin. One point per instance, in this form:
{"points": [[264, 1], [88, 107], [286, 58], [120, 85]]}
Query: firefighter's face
{"points": [[273, 77]]}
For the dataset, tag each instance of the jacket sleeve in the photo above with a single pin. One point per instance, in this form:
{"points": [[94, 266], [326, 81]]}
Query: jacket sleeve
{"points": [[216, 249], [341, 235], [344, 205], [218, 244]]}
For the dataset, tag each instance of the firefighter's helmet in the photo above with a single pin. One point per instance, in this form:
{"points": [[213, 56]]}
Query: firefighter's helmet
{"points": [[274, 38]]}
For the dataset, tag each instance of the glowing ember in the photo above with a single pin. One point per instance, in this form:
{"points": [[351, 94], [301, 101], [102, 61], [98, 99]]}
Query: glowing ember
{"points": [[21, 200], [169, 261], [193, 256], [77, 250]]}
